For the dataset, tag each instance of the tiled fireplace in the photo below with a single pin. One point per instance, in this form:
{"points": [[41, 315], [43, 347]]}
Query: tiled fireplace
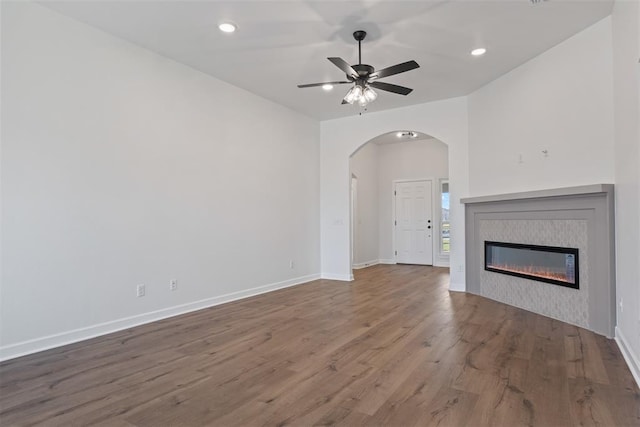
{"points": [[550, 252]]}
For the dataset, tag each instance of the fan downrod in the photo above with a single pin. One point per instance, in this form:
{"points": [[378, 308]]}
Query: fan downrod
{"points": [[359, 36]]}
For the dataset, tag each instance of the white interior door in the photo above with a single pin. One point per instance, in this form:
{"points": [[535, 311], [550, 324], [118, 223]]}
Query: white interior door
{"points": [[414, 222]]}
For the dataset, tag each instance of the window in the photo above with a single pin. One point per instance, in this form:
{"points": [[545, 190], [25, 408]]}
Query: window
{"points": [[444, 218]]}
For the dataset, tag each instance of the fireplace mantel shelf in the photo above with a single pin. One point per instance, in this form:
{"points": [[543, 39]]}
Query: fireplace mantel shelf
{"points": [[556, 192]]}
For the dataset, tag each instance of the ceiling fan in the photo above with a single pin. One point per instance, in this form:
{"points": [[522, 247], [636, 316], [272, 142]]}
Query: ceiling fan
{"points": [[364, 77]]}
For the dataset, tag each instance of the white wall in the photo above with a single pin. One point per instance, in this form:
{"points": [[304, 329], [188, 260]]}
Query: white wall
{"points": [[444, 120], [626, 84], [409, 160], [364, 164], [560, 101], [122, 167]]}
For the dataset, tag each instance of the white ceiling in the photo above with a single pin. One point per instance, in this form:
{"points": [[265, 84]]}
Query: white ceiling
{"points": [[280, 44]]}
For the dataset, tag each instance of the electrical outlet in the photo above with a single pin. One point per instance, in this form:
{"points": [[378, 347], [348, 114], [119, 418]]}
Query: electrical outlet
{"points": [[140, 291], [620, 305], [173, 284], [291, 264]]}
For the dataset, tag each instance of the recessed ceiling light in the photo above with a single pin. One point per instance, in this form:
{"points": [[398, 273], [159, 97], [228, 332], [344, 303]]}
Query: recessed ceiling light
{"points": [[327, 87], [227, 27], [479, 51]]}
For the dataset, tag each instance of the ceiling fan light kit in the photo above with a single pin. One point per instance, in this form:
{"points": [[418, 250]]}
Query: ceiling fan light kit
{"points": [[354, 94], [369, 94], [364, 77]]}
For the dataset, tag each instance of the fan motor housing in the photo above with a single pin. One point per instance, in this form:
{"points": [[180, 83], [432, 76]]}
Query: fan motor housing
{"points": [[363, 71]]}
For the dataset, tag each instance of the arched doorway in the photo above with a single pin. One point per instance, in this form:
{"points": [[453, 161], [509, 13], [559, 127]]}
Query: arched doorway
{"points": [[339, 139], [380, 232]]}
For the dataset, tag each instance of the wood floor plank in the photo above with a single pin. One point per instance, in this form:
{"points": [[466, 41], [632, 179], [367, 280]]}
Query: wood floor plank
{"points": [[392, 348], [547, 370], [449, 407], [407, 404]]}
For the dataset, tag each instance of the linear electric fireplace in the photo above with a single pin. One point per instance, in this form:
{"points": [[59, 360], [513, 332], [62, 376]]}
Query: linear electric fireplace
{"points": [[548, 264]]}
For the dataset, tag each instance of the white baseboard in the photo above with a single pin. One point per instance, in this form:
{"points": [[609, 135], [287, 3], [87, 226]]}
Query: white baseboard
{"points": [[57, 340], [365, 264], [333, 276], [457, 287], [629, 356], [436, 263]]}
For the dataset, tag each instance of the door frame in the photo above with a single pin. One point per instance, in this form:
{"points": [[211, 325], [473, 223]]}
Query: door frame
{"points": [[353, 217], [393, 217]]}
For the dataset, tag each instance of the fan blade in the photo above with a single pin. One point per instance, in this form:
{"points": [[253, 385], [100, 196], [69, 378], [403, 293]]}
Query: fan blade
{"points": [[391, 88], [344, 66], [395, 69], [324, 83]]}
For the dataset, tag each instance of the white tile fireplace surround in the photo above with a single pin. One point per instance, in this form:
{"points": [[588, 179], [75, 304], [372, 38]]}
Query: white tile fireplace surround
{"points": [[575, 217]]}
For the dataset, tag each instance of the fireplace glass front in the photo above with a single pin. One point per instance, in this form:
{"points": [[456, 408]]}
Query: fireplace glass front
{"points": [[548, 264]]}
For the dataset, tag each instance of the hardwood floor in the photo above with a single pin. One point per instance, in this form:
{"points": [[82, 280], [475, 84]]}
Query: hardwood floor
{"points": [[393, 348]]}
